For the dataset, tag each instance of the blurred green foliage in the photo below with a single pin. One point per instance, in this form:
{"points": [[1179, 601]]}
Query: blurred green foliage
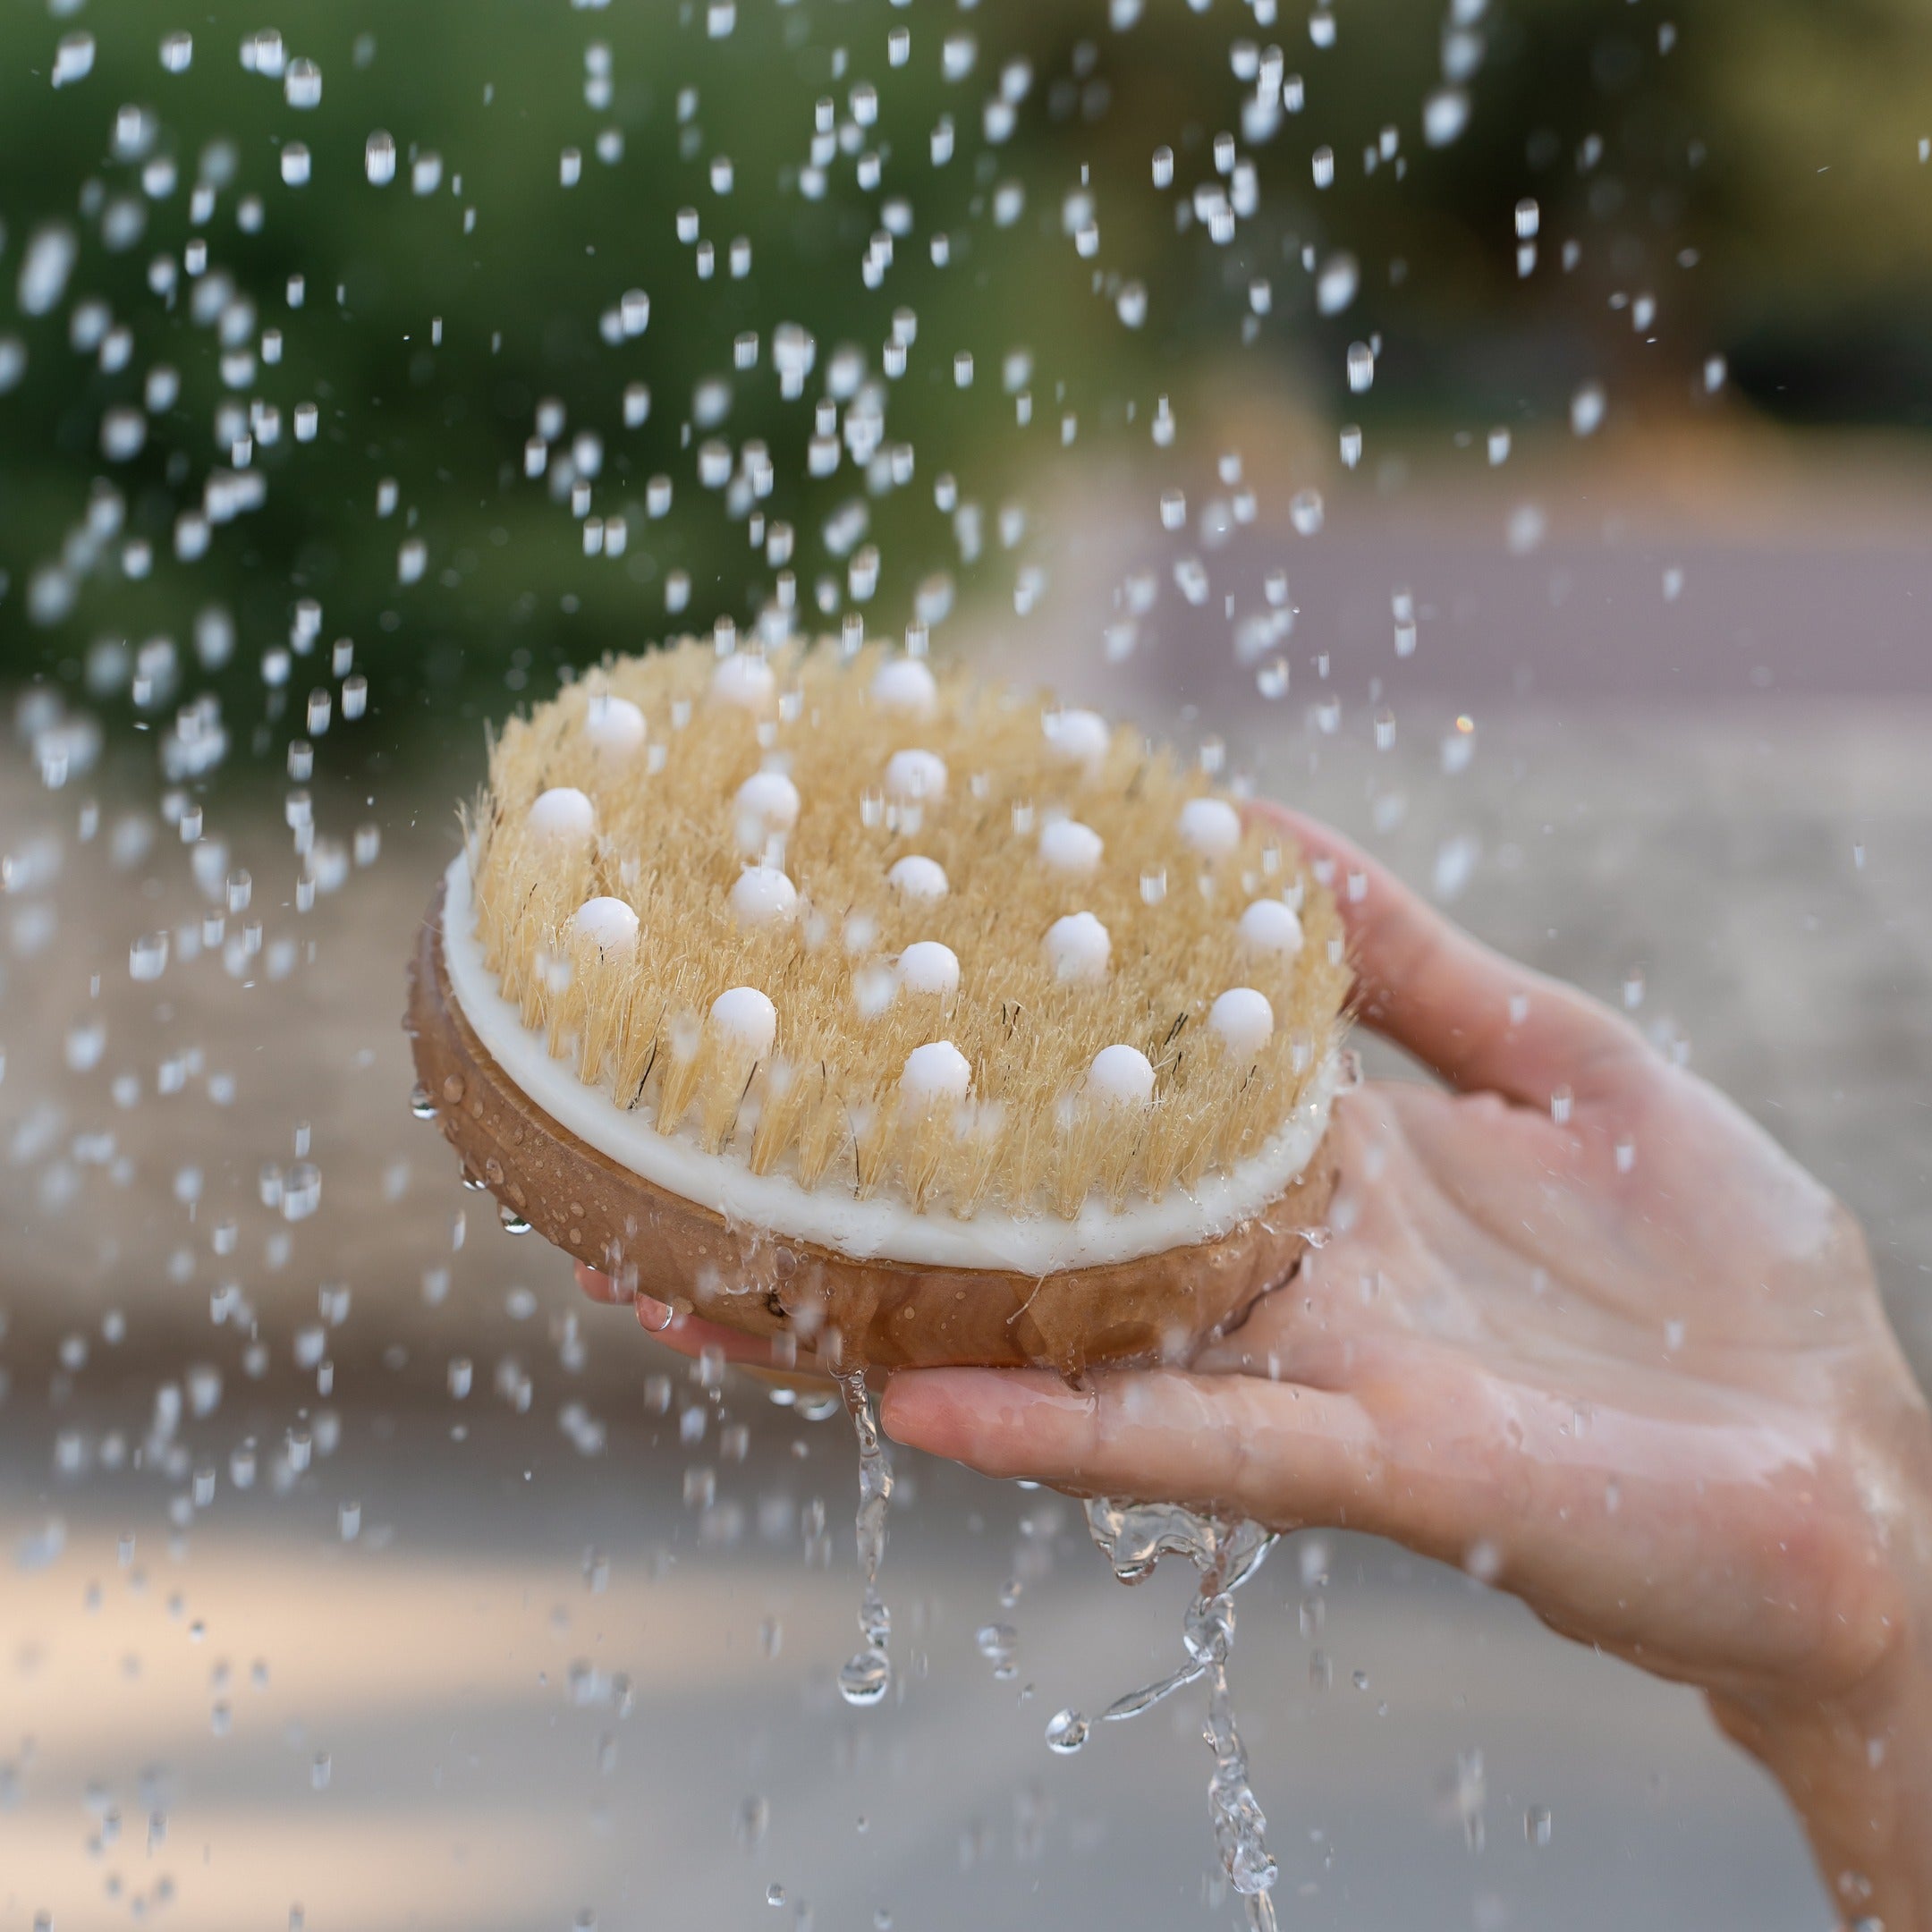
{"points": [[1753, 168]]}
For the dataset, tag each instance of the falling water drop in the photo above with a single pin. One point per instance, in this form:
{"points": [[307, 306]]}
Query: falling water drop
{"points": [[302, 85], [1445, 115], [1587, 409], [1066, 1731], [1336, 286]]}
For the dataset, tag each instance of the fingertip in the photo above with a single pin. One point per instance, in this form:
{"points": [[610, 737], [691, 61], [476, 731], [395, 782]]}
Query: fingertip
{"points": [[598, 1285], [1316, 840]]}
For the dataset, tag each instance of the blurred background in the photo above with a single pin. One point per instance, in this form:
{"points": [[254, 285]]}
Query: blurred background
{"points": [[1498, 427]]}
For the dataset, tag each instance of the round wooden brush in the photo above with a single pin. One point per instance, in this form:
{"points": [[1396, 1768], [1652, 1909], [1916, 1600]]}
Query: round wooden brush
{"points": [[913, 1017]]}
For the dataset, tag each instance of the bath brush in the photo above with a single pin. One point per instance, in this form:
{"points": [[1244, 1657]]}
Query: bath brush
{"points": [[826, 993]]}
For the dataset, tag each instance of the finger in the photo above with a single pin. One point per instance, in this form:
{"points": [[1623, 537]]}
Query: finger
{"points": [[1477, 1019], [1417, 1463], [1495, 1477], [598, 1285], [691, 1336], [1280, 1452]]}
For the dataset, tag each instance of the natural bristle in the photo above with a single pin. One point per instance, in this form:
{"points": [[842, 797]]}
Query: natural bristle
{"points": [[895, 860]]}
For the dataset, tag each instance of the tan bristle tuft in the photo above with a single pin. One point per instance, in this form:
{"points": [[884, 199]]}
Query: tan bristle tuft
{"points": [[823, 1103]]}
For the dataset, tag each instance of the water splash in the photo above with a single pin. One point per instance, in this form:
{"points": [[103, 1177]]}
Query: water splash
{"points": [[1133, 1537], [866, 1675]]}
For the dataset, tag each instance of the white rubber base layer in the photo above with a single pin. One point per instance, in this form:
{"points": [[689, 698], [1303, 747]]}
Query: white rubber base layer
{"points": [[880, 1227]]}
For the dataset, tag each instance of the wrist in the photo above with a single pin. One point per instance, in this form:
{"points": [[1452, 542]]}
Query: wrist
{"points": [[1858, 1770], [1852, 1747]]}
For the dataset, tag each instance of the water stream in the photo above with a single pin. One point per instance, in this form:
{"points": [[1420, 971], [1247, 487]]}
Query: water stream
{"points": [[865, 1676], [1134, 1537]]}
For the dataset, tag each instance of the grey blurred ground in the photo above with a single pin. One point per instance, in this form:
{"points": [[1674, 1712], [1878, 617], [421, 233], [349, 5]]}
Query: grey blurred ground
{"points": [[1764, 855]]}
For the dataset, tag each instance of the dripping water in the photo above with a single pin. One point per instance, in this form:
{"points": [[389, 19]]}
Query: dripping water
{"points": [[866, 1675], [1133, 1537]]}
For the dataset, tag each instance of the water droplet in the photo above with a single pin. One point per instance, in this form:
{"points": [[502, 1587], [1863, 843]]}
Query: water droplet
{"points": [[1445, 115], [1336, 286], [1066, 1731], [74, 59], [864, 1678], [995, 1643], [751, 1823], [1587, 409], [301, 86]]}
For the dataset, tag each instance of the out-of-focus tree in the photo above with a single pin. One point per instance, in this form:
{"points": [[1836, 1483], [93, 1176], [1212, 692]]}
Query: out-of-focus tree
{"points": [[1743, 181]]}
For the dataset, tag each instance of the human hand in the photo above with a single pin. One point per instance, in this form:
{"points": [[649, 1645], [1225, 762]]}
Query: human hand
{"points": [[1584, 1328], [692, 1335]]}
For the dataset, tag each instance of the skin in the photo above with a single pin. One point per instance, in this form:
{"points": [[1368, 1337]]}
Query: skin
{"points": [[1584, 1328]]}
